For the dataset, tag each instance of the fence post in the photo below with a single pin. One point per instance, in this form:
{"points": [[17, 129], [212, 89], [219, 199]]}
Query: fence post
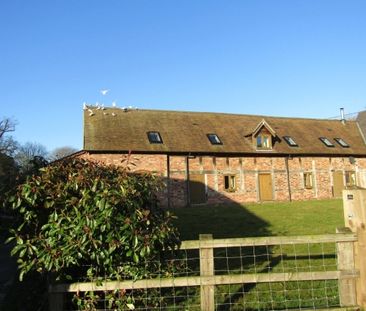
{"points": [[345, 257], [207, 269], [55, 301], [361, 265], [354, 205]]}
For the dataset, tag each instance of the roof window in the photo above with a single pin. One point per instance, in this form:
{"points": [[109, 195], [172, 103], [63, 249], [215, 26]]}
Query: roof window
{"points": [[341, 142], [214, 139], [326, 141], [290, 141], [154, 137]]}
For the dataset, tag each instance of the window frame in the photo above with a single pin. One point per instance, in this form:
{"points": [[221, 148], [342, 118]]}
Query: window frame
{"points": [[230, 182], [290, 141], [215, 139], [153, 141], [326, 142], [341, 142], [261, 136], [348, 178]]}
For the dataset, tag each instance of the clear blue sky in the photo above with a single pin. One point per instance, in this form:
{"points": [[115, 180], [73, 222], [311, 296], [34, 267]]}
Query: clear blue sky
{"points": [[284, 58]]}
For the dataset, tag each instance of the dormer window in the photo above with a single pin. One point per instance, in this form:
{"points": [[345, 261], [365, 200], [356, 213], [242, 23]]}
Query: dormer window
{"points": [[214, 139], [341, 142], [154, 138], [326, 142], [262, 136], [290, 141], [264, 141]]}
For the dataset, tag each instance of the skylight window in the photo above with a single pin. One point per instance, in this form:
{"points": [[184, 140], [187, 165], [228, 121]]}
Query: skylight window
{"points": [[341, 142], [214, 139], [290, 141], [326, 141], [154, 137]]}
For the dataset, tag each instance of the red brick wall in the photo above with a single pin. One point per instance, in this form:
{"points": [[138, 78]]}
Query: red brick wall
{"points": [[246, 170]]}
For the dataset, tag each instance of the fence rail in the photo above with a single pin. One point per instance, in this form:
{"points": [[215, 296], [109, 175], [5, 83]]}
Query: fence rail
{"points": [[345, 236], [344, 270]]}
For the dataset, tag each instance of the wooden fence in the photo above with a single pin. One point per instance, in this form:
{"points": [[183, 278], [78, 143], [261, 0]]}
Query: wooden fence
{"points": [[345, 273]]}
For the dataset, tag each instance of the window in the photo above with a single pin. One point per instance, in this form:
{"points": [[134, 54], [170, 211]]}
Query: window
{"points": [[263, 141], [326, 141], [214, 139], [230, 183], [290, 141], [308, 180], [341, 142], [350, 178], [154, 138]]}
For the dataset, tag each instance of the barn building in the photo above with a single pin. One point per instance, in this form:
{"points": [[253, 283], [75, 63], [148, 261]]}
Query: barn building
{"points": [[207, 158]]}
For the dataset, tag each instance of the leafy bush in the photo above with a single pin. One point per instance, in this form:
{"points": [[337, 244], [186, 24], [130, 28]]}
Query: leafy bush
{"points": [[80, 219]]}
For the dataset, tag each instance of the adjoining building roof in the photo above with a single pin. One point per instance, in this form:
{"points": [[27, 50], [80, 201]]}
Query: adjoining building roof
{"points": [[118, 130]]}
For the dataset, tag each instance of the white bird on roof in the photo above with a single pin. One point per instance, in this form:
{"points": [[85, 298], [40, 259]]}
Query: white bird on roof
{"points": [[114, 104], [104, 92], [84, 106]]}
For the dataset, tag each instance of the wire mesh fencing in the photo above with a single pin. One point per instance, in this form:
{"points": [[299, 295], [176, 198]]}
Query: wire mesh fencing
{"points": [[267, 273]]}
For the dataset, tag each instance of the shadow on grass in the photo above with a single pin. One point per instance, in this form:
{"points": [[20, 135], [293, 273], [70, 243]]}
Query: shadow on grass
{"points": [[224, 219], [231, 220]]}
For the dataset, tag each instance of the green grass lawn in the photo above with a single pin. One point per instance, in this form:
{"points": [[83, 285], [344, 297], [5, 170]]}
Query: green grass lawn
{"points": [[280, 218], [269, 219]]}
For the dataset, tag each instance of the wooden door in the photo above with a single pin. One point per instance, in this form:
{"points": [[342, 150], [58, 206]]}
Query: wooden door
{"points": [[197, 189], [338, 184], [265, 187]]}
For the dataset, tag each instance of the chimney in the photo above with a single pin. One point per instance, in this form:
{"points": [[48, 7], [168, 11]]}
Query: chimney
{"points": [[343, 120]]}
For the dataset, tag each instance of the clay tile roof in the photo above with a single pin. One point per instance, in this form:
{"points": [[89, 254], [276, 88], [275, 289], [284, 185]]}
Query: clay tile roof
{"points": [[118, 130]]}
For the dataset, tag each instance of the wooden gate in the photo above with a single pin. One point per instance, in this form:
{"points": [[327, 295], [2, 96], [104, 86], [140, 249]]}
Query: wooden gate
{"points": [[197, 189], [338, 184], [265, 187]]}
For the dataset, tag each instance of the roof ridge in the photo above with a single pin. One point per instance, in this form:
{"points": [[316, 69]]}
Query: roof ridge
{"points": [[222, 113]]}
